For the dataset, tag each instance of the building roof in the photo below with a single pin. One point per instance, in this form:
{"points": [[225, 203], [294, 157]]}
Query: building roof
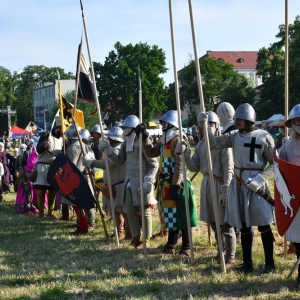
{"points": [[239, 59]]}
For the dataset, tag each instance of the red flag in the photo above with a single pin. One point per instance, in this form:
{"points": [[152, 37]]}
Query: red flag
{"points": [[287, 192]]}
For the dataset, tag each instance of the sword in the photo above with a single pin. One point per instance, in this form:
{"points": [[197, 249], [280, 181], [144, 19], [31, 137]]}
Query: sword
{"points": [[294, 268], [260, 192]]}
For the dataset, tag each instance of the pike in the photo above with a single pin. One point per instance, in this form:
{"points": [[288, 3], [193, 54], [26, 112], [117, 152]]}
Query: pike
{"points": [[100, 124], [186, 220], [286, 90], [210, 170], [141, 161]]}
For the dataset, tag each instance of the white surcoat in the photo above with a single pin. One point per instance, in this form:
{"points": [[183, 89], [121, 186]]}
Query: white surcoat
{"points": [[251, 153]]}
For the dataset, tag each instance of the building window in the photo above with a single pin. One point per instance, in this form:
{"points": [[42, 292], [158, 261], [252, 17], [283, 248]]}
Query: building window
{"points": [[241, 60], [46, 94], [40, 95]]}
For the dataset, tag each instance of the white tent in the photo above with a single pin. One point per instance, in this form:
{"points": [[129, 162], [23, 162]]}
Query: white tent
{"points": [[276, 117]]}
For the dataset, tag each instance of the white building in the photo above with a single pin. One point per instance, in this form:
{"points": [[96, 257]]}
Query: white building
{"points": [[44, 97]]}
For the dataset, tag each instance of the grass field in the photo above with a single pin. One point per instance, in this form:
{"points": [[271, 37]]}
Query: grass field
{"points": [[40, 260]]}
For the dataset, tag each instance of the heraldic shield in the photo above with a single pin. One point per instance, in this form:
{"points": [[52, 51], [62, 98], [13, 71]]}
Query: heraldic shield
{"points": [[66, 178], [287, 192]]}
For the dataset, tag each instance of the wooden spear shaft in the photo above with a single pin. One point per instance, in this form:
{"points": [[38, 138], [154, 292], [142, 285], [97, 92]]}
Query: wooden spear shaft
{"points": [[101, 128], [210, 169], [141, 163], [286, 94], [188, 218]]}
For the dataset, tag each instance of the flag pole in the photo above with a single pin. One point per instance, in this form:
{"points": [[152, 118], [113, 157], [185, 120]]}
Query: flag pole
{"points": [[181, 136], [141, 161], [210, 169], [286, 94], [100, 123]]}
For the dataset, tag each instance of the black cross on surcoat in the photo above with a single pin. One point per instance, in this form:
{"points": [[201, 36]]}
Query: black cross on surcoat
{"points": [[252, 147]]}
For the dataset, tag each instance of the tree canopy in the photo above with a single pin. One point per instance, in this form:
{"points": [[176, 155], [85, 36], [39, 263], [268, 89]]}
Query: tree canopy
{"points": [[16, 88], [220, 83], [117, 81], [270, 65]]}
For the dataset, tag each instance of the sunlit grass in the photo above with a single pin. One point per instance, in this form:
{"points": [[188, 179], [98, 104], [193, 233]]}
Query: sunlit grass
{"points": [[40, 260]]}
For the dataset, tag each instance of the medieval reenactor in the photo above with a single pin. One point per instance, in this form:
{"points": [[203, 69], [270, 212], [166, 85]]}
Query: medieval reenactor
{"points": [[48, 148], [129, 152], [290, 152], [222, 174], [252, 151], [117, 174], [170, 189]]}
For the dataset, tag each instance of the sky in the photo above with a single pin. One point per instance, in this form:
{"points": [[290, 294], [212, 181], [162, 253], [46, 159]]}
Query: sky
{"points": [[39, 32]]}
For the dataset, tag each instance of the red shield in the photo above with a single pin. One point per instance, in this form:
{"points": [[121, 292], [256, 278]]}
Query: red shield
{"points": [[287, 192]]}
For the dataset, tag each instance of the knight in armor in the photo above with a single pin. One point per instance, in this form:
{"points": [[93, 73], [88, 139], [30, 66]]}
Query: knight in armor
{"points": [[96, 133], [226, 113], [290, 152], [85, 218], [222, 173], [252, 151], [170, 189], [117, 176], [129, 153], [50, 144]]}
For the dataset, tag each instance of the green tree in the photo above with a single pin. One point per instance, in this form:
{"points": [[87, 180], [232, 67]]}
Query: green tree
{"points": [[33, 76], [271, 65], [8, 83], [216, 75], [239, 90], [117, 81]]}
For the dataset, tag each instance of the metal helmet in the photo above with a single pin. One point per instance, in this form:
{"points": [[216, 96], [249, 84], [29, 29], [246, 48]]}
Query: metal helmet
{"points": [[116, 134], [130, 121], [170, 117], [213, 117], [85, 134], [294, 113], [245, 112], [96, 128], [71, 132], [226, 112]]}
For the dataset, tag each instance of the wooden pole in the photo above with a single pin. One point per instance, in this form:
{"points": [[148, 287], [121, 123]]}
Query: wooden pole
{"points": [[210, 169], [141, 162], [181, 136], [100, 123], [286, 88]]}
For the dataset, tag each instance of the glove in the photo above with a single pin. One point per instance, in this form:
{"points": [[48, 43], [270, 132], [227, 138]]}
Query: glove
{"points": [[87, 161], [180, 148], [201, 118], [141, 128], [255, 183], [147, 185], [223, 195], [103, 144], [175, 192]]}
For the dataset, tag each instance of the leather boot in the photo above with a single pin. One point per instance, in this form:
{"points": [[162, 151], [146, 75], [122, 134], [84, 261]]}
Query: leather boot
{"points": [[65, 212]]}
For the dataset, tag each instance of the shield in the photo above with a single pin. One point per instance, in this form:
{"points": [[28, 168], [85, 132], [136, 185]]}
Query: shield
{"points": [[287, 192], [66, 178]]}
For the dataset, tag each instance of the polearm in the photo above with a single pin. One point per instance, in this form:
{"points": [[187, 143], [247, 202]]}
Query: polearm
{"points": [[100, 123], [188, 218], [286, 93], [210, 170], [141, 161]]}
